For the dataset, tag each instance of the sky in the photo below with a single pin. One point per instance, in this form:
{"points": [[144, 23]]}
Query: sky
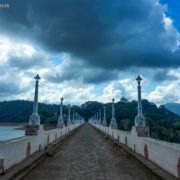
{"points": [[89, 50]]}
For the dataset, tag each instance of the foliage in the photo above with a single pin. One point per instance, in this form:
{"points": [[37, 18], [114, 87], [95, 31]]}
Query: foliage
{"points": [[19, 112], [163, 123]]}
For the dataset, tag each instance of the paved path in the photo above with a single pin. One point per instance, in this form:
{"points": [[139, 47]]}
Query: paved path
{"points": [[87, 155]]}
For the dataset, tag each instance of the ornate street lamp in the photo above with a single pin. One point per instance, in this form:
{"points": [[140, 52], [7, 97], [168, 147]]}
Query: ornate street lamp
{"points": [[113, 123], [139, 120], [34, 119], [61, 120]]}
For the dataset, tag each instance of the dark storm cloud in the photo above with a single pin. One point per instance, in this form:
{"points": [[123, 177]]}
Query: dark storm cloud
{"points": [[106, 34], [162, 75], [73, 71], [11, 82], [8, 89], [25, 62], [96, 77]]}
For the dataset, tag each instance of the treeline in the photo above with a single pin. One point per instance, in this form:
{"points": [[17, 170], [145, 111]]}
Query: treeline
{"points": [[163, 123], [19, 111]]}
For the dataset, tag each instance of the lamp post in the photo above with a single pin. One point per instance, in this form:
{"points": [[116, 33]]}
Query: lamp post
{"points": [[97, 118], [34, 119], [113, 124], [76, 116], [69, 115], [139, 120], [100, 117], [73, 120], [104, 118], [60, 120]]}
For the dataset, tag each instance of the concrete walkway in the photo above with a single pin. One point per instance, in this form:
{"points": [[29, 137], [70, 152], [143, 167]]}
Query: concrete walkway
{"points": [[87, 155]]}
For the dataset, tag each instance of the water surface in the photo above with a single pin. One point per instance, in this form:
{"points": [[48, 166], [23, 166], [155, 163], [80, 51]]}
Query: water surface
{"points": [[10, 132]]}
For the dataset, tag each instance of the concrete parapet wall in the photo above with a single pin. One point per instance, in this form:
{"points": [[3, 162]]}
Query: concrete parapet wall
{"points": [[15, 150], [166, 155]]}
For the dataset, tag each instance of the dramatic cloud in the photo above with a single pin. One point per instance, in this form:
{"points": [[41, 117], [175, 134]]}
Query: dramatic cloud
{"points": [[69, 70], [164, 75], [165, 93], [88, 50], [20, 55], [105, 34], [10, 83]]}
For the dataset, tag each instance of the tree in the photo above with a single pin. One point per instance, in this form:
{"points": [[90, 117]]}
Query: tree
{"points": [[163, 124]]}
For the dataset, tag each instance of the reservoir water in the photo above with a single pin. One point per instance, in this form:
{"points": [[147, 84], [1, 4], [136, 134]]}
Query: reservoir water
{"points": [[10, 132]]}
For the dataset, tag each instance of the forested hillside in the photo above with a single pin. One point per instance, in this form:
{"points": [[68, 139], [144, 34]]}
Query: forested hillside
{"points": [[163, 123], [174, 107], [19, 111]]}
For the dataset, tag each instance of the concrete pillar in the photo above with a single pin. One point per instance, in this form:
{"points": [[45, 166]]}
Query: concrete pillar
{"points": [[139, 120], [73, 120], [100, 120], [93, 118], [76, 116], [34, 119], [104, 118], [61, 120], [69, 115], [113, 123], [97, 118]]}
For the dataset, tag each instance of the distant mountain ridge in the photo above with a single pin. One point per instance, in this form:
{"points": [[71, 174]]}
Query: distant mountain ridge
{"points": [[174, 107]]}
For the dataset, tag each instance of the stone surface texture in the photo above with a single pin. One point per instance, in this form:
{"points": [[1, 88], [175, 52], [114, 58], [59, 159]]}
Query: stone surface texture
{"points": [[88, 155]]}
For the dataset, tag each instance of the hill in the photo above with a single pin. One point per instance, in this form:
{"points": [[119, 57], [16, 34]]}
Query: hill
{"points": [[163, 123], [174, 107], [19, 111]]}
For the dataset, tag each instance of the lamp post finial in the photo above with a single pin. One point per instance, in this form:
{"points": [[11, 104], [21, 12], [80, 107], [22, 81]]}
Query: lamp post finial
{"points": [[139, 79], [37, 77]]}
